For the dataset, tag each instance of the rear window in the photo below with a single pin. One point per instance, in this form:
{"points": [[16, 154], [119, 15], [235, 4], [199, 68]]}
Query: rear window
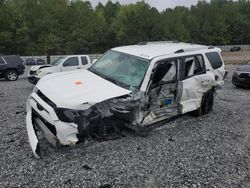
{"points": [[84, 60], [1, 61], [214, 59]]}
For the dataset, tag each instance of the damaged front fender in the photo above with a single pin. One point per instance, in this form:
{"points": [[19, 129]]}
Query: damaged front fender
{"points": [[33, 140]]}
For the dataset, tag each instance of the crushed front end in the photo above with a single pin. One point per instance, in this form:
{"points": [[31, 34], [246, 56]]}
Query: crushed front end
{"points": [[63, 126]]}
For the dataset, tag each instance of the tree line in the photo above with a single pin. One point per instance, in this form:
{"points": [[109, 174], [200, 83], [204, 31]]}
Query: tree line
{"points": [[39, 27]]}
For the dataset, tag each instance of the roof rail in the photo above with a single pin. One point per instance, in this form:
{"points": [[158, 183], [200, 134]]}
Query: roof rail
{"points": [[193, 49], [211, 47], [156, 42], [179, 51]]}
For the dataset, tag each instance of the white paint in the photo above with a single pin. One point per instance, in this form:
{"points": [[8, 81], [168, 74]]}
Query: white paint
{"points": [[72, 89]]}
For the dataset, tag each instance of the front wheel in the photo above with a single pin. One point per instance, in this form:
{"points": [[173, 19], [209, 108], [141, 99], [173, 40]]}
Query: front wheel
{"points": [[11, 75], [207, 103], [143, 131]]}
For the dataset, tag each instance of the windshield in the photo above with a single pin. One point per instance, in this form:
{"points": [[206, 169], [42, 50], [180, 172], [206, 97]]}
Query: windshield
{"points": [[57, 61], [122, 69]]}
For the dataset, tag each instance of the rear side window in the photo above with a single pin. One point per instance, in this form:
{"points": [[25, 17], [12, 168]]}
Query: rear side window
{"points": [[84, 60], [2, 61], [214, 59], [13, 59], [72, 61]]}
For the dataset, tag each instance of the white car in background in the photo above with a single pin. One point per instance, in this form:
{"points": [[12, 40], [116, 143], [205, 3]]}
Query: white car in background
{"points": [[68, 63], [138, 86]]}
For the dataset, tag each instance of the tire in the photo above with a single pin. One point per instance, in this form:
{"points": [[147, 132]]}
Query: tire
{"points": [[11, 75], [207, 103]]}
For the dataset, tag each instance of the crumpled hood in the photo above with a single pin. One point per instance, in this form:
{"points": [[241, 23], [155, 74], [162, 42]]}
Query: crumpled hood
{"points": [[74, 88], [244, 68], [36, 67]]}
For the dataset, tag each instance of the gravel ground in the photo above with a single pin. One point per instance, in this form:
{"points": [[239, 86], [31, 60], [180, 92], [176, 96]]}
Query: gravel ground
{"points": [[209, 151]]}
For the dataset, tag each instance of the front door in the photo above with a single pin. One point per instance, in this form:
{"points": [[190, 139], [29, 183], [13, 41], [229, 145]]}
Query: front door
{"points": [[163, 92], [72, 63]]}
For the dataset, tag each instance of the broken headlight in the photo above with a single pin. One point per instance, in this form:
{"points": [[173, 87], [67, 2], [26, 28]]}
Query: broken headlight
{"points": [[71, 116], [67, 115]]}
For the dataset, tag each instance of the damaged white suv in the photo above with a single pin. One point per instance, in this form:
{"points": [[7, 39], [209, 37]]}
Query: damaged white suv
{"points": [[138, 86]]}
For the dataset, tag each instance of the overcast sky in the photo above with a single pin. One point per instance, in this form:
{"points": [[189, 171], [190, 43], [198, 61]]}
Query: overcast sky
{"points": [[159, 4]]}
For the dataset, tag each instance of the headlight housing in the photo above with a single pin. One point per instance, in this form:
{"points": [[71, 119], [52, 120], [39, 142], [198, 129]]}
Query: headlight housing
{"points": [[67, 115], [71, 116]]}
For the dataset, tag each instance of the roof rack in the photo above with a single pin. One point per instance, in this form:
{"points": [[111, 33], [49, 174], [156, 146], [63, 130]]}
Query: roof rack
{"points": [[192, 49], [157, 42]]}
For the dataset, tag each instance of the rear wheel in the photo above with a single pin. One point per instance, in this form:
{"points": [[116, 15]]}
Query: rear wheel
{"points": [[11, 75], [207, 103]]}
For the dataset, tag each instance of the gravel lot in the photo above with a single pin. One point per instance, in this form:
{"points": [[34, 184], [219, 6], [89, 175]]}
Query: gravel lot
{"points": [[210, 151]]}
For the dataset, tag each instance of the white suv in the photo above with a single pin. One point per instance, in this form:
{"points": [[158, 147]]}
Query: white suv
{"points": [[139, 85]]}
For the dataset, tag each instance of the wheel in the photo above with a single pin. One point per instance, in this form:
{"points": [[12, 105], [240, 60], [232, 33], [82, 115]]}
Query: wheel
{"points": [[11, 75], [207, 103]]}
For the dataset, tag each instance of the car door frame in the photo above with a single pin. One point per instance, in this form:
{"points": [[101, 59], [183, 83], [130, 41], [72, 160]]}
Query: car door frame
{"points": [[71, 68], [195, 86], [148, 81], [84, 66]]}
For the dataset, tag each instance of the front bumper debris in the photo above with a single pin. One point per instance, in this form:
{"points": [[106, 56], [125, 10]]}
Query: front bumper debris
{"points": [[55, 132], [33, 79]]}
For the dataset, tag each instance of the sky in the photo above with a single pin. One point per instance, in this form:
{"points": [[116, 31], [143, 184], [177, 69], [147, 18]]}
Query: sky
{"points": [[159, 4]]}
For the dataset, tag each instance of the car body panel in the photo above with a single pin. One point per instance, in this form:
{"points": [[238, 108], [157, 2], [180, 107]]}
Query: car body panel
{"points": [[241, 76], [78, 87], [11, 62]]}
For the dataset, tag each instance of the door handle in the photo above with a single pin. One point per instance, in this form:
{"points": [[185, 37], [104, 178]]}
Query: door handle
{"points": [[78, 68]]}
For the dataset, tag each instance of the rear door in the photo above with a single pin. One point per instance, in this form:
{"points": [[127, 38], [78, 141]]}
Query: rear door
{"points": [[84, 62], [72, 63], [195, 82], [217, 66]]}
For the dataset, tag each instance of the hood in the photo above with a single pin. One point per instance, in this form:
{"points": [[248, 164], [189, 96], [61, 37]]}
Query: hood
{"points": [[244, 68], [36, 67], [75, 88]]}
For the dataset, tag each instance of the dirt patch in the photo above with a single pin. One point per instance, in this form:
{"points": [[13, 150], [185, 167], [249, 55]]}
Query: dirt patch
{"points": [[236, 57]]}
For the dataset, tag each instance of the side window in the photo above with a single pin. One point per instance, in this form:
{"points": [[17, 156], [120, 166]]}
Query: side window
{"points": [[165, 72], [72, 61], [2, 61], [193, 65], [214, 59], [84, 60]]}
